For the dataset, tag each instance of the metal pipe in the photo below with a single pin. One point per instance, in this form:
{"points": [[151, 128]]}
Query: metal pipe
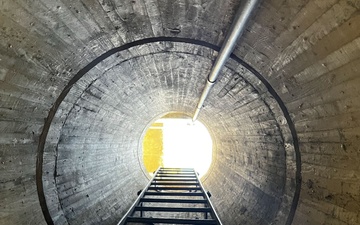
{"points": [[236, 30]]}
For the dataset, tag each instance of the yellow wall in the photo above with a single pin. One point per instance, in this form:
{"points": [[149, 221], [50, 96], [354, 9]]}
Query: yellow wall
{"points": [[153, 147]]}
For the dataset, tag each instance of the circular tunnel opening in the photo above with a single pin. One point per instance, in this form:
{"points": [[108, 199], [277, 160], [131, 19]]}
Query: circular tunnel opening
{"points": [[175, 141], [99, 121]]}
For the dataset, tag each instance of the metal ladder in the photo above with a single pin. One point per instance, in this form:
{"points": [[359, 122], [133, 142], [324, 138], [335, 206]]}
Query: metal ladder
{"points": [[173, 196]]}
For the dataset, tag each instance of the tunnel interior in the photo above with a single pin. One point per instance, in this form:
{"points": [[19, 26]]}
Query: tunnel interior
{"points": [[244, 127], [80, 82]]}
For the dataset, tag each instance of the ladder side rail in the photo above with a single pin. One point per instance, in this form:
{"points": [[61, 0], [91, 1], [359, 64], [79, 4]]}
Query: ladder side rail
{"points": [[131, 211], [213, 213]]}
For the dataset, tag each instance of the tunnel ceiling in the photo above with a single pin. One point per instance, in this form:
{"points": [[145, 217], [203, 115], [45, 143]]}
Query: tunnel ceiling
{"points": [[81, 81]]}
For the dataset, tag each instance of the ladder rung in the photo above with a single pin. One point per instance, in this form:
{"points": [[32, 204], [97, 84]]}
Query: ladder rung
{"points": [[182, 169], [170, 221], [176, 172], [171, 209], [175, 184], [191, 201], [173, 175], [174, 188], [168, 179], [175, 193]]}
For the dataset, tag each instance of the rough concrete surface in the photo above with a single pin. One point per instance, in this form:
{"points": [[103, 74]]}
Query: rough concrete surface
{"points": [[81, 80]]}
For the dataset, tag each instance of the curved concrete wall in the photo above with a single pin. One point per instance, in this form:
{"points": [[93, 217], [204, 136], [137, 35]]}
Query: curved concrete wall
{"points": [[308, 51], [109, 111]]}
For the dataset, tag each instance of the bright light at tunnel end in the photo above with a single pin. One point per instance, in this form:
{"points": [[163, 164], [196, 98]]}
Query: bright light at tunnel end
{"points": [[185, 144]]}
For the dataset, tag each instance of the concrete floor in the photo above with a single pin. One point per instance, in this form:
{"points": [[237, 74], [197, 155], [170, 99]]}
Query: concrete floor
{"points": [[80, 81]]}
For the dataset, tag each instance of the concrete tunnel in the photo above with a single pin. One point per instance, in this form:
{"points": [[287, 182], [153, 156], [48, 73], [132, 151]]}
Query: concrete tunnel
{"points": [[80, 81]]}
